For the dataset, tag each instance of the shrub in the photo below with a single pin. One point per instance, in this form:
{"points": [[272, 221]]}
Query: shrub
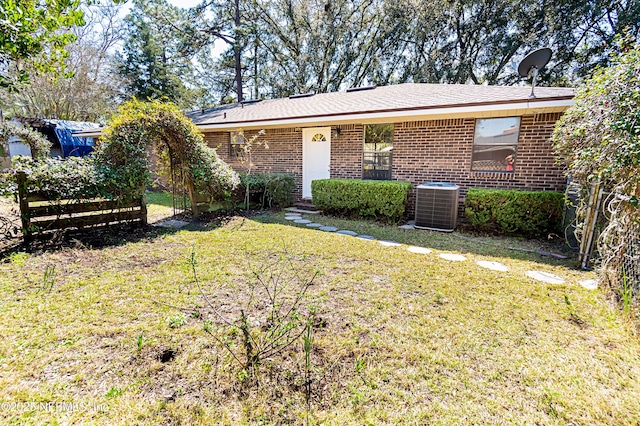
{"points": [[275, 315], [74, 178], [270, 189], [7, 183], [525, 213], [374, 198]]}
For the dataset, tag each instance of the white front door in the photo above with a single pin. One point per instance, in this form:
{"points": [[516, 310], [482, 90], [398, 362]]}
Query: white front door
{"points": [[316, 156]]}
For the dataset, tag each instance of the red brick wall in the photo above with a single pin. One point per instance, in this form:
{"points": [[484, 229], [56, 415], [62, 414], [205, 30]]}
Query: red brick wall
{"points": [[281, 153], [423, 151], [346, 152], [440, 150]]}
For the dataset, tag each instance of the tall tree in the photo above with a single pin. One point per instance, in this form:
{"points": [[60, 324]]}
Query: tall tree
{"points": [[151, 61], [280, 47], [586, 32], [237, 50], [219, 20], [312, 45], [34, 31], [465, 41], [91, 92]]}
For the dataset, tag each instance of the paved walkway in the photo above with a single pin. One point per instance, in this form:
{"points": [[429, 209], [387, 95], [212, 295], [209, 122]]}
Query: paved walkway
{"points": [[541, 276]]}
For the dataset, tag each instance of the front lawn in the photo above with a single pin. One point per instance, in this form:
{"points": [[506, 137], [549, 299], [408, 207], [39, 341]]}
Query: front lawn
{"points": [[398, 337]]}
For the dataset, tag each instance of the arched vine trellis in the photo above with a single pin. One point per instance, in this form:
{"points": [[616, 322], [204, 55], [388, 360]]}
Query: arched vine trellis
{"points": [[122, 155]]}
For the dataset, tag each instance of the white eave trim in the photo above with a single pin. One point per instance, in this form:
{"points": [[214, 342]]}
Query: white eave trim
{"points": [[480, 111], [93, 134]]}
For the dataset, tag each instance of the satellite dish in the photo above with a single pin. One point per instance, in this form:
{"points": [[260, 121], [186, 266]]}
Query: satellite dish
{"points": [[532, 64]]}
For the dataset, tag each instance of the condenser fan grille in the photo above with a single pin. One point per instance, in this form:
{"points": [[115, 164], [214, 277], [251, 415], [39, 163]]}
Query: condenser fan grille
{"points": [[437, 206]]}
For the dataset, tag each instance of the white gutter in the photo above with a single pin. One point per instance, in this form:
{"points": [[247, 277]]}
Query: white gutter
{"points": [[489, 110]]}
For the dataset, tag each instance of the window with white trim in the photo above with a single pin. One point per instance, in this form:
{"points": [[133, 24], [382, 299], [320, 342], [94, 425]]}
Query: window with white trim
{"points": [[495, 144]]}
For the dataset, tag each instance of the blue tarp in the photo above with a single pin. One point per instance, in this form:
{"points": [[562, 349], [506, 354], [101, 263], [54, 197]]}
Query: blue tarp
{"points": [[72, 145]]}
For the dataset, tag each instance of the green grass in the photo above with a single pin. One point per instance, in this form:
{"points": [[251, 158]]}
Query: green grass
{"points": [[160, 206], [163, 199], [401, 337]]}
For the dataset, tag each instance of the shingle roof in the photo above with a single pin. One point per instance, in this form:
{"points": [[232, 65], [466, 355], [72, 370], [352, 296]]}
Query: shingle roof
{"points": [[409, 96]]}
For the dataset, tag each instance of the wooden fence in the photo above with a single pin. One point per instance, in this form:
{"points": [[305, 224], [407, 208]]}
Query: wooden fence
{"points": [[41, 215], [200, 203]]}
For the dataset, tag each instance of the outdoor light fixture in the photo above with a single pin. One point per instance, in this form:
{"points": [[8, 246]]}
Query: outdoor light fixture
{"points": [[335, 132]]}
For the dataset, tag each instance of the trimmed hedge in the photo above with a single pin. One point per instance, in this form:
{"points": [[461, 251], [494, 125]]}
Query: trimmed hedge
{"points": [[508, 212], [376, 198], [268, 189]]}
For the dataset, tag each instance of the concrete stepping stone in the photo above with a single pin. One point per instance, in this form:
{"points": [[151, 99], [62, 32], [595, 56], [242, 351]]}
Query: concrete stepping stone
{"points": [[452, 257], [345, 232], [494, 266], [388, 243], [418, 250], [302, 221], [292, 217], [589, 284], [406, 227], [303, 211], [172, 223], [366, 237], [314, 225], [328, 228], [545, 277]]}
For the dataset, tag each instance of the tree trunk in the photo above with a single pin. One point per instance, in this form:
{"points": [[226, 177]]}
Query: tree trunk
{"points": [[237, 52]]}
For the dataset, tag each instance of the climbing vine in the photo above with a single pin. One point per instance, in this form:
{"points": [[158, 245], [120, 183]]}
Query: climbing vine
{"points": [[119, 168], [122, 155], [73, 178], [599, 139], [38, 144]]}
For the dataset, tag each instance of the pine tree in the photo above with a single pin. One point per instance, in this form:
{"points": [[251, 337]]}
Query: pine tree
{"points": [[151, 61]]}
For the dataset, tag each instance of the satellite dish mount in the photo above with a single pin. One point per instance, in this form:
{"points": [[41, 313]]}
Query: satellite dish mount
{"points": [[532, 64]]}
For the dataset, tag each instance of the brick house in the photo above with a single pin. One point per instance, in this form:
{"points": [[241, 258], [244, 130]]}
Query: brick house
{"points": [[473, 136]]}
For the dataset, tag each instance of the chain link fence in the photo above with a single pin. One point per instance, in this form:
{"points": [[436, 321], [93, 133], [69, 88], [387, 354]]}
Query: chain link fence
{"points": [[608, 231], [630, 274]]}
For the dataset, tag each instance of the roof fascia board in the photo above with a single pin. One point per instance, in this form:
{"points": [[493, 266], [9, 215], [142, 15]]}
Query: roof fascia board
{"points": [[486, 110], [88, 134]]}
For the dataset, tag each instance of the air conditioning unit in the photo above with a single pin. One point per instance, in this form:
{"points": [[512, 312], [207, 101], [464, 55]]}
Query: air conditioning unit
{"points": [[437, 206]]}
